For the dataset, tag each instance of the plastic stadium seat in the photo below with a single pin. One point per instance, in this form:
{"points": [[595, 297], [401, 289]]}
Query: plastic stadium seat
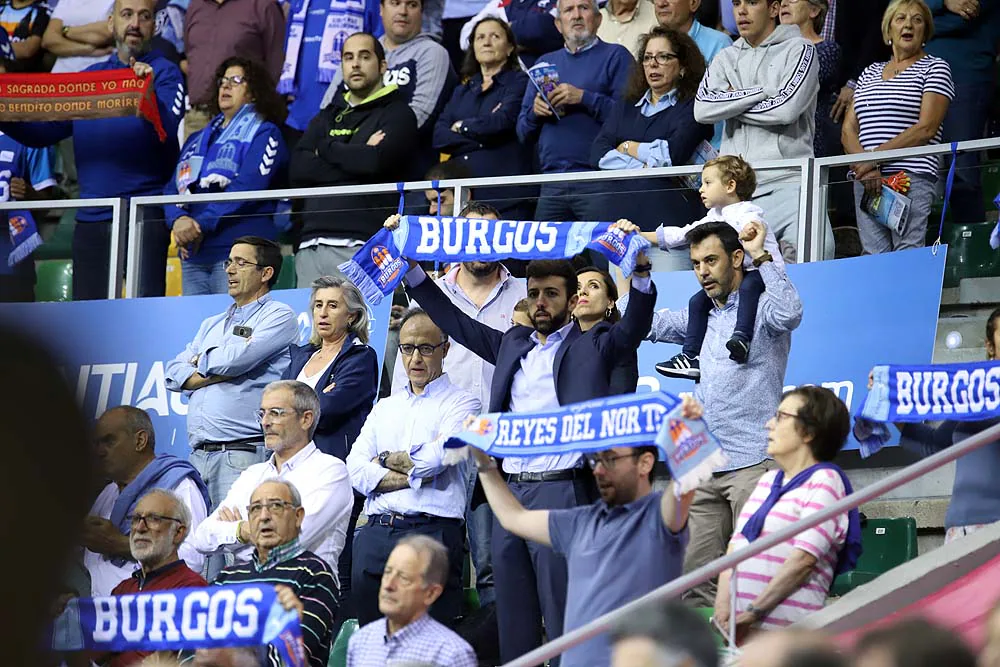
{"points": [[471, 598], [887, 543], [286, 279], [338, 654], [969, 253], [174, 287], [991, 183], [55, 280]]}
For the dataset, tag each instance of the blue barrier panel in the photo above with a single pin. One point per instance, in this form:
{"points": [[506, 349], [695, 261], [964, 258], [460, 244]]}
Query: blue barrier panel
{"points": [[113, 352]]}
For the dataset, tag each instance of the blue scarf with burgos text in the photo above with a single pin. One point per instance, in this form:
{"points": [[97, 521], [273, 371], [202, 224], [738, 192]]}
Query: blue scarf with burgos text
{"points": [[184, 618], [956, 392], [378, 267], [631, 420]]}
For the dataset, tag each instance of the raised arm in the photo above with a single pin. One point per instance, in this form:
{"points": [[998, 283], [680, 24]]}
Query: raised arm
{"points": [[781, 307]]}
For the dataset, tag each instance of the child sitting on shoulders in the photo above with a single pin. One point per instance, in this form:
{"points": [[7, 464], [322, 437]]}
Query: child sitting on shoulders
{"points": [[727, 185]]}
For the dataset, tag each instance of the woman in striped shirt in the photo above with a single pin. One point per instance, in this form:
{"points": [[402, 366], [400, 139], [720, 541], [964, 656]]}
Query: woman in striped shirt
{"points": [[899, 104], [785, 583]]}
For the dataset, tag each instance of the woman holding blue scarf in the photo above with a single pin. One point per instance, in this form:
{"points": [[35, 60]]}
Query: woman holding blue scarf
{"points": [[241, 149], [790, 581]]}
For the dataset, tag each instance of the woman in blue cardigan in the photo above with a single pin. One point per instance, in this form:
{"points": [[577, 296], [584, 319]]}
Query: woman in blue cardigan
{"points": [[653, 125], [478, 125]]}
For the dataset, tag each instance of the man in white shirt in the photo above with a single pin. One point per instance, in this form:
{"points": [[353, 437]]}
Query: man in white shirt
{"points": [[125, 453], [486, 292], [397, 462], [289, 413], [79, 34]]}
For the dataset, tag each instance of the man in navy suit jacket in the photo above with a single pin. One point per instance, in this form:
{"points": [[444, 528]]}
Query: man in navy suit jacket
{"points": [[552, 364]]}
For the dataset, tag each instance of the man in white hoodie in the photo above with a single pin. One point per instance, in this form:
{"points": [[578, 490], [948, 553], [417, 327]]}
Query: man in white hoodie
{"points": [[764, 87]]}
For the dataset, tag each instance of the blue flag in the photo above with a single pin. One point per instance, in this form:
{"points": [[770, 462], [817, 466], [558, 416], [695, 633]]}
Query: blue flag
{"points": [[961, 392], [183, 618], [378, 267]]}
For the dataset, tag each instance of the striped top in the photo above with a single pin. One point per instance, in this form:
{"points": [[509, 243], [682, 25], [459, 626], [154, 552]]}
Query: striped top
{"points": [[887, 108], [311, 579], [824, 542]]}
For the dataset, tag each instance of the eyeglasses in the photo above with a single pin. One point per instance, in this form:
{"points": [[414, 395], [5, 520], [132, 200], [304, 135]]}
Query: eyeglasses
{"points": [[239, 262], [224, 81], [425, 350], [273, 413], [275, 507], [153, 521], [779, 414], [660, 58], [607, 461]]}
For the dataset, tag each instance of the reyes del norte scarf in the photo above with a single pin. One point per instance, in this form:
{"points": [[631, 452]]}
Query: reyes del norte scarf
{"points": [[631, 420], [209, 162], [847, 559], [343, 19], [379, 265], [959, 392], [183, 618], [105, 93]]}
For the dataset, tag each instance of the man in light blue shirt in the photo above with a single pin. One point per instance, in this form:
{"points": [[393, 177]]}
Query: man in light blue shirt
{"points": [[397, 463], [224, 370]]}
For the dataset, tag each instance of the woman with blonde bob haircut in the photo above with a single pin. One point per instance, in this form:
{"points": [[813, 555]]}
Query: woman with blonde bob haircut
{"points": [[899, 104]]}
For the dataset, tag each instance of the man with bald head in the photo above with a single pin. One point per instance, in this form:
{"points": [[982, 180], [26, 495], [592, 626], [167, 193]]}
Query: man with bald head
{"points": [[143, 169], [124, 453]]}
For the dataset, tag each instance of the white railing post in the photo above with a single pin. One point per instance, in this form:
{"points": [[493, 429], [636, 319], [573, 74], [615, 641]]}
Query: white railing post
{"points": [[803, 253], [818, 177], [119, 225]]}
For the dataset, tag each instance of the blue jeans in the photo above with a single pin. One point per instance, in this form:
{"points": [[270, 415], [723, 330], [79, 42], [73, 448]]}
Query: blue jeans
{"points": [[479, 526], [219, 470], [877, 238], [203, 279]]}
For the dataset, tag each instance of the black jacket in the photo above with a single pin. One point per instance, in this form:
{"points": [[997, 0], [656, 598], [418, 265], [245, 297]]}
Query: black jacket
{"points": [[334, 151]]}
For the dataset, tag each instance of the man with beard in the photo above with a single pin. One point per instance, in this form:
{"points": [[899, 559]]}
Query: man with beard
{"points": [[592, 74], [611, 545], [365, 135], [142, 169], [159, 523], [486, 292], [542, 367]]}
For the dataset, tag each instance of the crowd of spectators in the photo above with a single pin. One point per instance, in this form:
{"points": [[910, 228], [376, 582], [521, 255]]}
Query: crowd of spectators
{"points": [[647, 84]]}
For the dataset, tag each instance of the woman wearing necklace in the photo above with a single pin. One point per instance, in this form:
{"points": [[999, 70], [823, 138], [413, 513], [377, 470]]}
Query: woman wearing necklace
{"points": [[653, 125], [899, 104]]}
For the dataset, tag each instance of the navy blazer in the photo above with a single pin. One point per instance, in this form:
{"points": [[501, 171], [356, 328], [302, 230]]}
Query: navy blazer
{"points": [[584, 362], [353, 382]]}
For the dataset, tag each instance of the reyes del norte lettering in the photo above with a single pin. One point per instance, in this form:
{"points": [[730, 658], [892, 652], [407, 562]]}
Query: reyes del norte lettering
{"points": [[939, 393]]}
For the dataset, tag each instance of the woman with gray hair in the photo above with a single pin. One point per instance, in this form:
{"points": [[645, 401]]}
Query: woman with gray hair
{"points": [[338, 363]]}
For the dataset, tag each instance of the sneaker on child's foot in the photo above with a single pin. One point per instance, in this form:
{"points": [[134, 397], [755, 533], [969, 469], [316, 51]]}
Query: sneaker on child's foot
{"points": [[739, 348], [680, 366]]}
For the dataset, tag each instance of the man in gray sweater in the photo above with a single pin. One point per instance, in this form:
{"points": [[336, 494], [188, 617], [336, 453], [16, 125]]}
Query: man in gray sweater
{"points": [[764, 87]]}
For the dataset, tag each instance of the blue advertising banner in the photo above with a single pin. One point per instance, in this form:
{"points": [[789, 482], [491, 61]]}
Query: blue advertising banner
{"points": [[113, 352]]}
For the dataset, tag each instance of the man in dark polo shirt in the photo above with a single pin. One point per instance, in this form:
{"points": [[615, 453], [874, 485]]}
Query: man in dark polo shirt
{"points": [[160, 522], [608, 545], [218, 29], [302, 579]]}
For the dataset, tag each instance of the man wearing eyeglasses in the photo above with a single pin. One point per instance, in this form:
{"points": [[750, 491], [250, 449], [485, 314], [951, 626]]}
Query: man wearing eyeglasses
{"points": [[303, 580], [224, 370], [289, 412], [397, 462], [125, 454]]}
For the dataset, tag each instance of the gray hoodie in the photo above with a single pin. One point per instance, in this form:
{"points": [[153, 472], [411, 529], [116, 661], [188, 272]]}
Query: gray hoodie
{"points": [[767, 97]]}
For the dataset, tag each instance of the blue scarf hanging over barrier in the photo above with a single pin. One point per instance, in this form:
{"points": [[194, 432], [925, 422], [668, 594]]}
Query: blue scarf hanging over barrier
{"points": [[847, 559], [631, 420], [960, 392], [343, 19], [216, 163], [378, 267], [24, 237], [184, 618]]}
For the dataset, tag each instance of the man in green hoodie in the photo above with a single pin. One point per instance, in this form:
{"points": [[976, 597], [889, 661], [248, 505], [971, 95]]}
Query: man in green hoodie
{"points": [[364, 136]]}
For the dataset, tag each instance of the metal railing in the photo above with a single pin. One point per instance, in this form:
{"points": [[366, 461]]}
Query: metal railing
{"points": [[118, 229], [765, 542], [137, 204]]}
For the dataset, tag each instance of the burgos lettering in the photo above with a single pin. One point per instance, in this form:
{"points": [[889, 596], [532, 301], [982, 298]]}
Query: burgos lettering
{"points": [[939, 393], [471, 236]]}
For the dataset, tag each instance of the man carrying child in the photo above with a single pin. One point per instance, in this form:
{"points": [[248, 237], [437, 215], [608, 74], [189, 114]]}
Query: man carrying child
{"points": [[739, 398]]}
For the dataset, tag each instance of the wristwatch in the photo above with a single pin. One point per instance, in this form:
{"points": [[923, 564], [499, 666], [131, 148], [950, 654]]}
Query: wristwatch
{"points": [[758, 613], [382, 458], [766, 257], [625, 146]]}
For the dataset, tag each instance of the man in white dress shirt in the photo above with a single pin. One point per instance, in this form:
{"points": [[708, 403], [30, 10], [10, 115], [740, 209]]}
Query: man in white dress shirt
{"points": [[125, 452], [397, 463], [289, 413]]}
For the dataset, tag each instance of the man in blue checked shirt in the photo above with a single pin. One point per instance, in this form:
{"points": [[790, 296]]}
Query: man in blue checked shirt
{"points": [[224, 370], [413, 578]]}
